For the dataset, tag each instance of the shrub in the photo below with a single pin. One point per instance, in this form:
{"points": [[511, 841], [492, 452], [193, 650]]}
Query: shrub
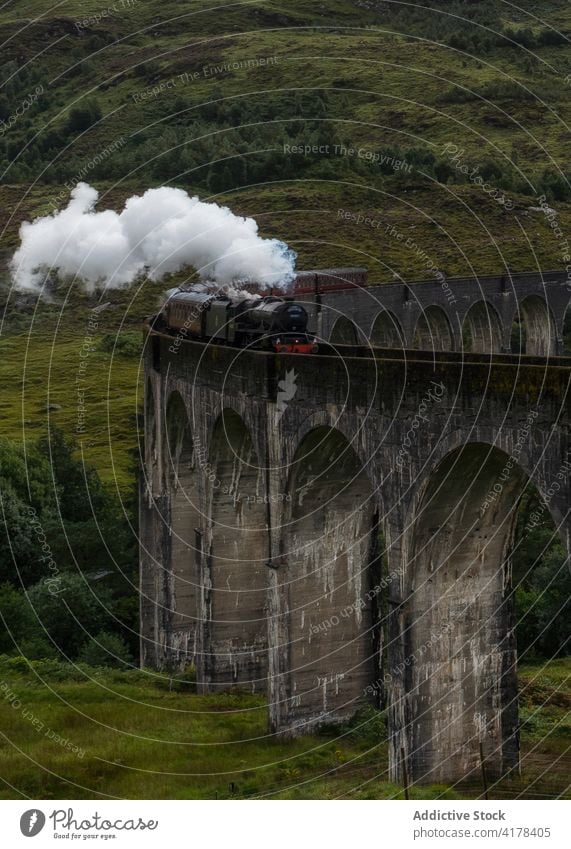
{"points": [[179, 682], [368, 726], [81, 118], [127, 344], [38, 648], [16, 618], [69, 610], [106, 649]]}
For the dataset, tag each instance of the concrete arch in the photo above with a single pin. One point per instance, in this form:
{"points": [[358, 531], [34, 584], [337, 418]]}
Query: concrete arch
{"points": [[152, 440], [185, 523], [386, 330], [330, 558], [326, 421], [482, 329], [345, 332], [433, 331], [566, 331], [150, 421], [459, 664], [153, 522], [534, 330], [177, 436], [238, 555], [228, 406]]}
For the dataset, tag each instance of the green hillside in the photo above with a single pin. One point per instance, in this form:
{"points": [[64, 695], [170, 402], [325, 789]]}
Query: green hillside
{"points": [[379, 97], [214, 102]]}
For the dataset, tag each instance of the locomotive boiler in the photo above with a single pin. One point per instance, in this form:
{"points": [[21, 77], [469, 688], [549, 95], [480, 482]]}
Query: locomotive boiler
{"points": [[239, 319]]}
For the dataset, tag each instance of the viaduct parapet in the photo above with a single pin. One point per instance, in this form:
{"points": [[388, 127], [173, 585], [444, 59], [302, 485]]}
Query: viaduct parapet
{"points": [[506, 313], [336, 531]]}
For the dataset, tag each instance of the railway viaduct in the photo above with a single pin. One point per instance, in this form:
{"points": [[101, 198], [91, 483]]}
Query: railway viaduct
{"points": [[336, 530], [473, 314]]}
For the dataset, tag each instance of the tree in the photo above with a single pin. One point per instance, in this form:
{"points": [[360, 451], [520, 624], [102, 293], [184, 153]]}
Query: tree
{"points": [[77, 488], [69, 610], [21, 546], [58, 518], [26, 471], [83, 117], [543, 607], [543, 582], [106, 649], [17, 620]]}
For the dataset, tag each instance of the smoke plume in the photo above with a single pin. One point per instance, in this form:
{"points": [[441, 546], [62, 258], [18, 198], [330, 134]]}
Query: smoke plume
{"points": [[162, 231]]}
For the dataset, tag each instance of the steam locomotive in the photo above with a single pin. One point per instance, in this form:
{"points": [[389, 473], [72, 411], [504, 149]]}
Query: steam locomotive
{"points": [[272, 323]]}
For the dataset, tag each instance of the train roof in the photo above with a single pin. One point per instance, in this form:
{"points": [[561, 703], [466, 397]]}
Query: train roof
{"points": [[337, 272]]}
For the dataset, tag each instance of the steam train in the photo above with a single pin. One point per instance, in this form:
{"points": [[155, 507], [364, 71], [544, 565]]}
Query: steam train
{"points": [[321, 281], [271, 323]]}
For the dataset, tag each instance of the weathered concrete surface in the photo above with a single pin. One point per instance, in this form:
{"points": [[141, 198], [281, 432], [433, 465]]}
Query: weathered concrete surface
{"points": [[433, 453], [325, 585], [237, 560], [457, 622], [183, 583]]}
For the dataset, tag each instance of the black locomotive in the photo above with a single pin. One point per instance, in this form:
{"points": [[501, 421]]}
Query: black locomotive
{"points": [[238, 319]]}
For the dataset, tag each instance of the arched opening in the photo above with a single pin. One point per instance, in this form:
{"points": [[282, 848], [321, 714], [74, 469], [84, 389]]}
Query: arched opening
{"points": [[386, 331], [433, 331], [150, 427], [345, 332], [238, 558], [460, 653], [486, 569], [331, 561], [567, 331], [482, 330], [533, 328], [182, 578], [541, 580], [152, 528]]}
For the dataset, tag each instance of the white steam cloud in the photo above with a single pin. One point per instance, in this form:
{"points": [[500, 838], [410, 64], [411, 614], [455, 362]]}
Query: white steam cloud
{"points": [[162, 231]]}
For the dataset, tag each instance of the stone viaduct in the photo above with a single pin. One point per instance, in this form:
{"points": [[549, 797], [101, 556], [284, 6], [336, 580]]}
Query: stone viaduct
{"points": [[488, 314], [336, 530]]}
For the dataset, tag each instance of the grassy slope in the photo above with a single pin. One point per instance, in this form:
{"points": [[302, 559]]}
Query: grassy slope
{"points": [[199, 745], [41, 352], [393, 88], [42, 371]]}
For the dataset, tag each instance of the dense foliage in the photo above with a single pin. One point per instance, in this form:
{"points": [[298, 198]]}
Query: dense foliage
{"points": [[542, 581], [67, 557], [228, 135], [68, 564], [226, 144]]}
